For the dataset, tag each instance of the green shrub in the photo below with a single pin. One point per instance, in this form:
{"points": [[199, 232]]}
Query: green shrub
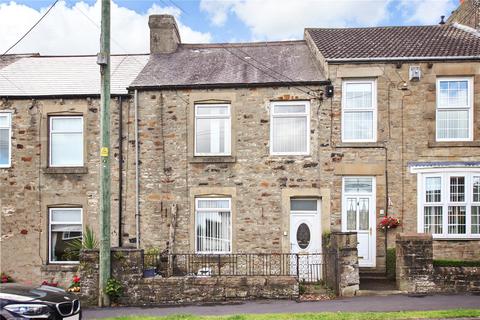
{"points": [[113, 288], [456, 263], [302, 288], [391, 263]]}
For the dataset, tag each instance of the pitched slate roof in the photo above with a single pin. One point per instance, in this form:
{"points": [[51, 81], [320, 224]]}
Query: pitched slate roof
{"points": [[66, 75], [197, 65], [397, 43]]}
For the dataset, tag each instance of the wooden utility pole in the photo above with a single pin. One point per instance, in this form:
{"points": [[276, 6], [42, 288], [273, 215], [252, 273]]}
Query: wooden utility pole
{"points": [[103, 60]]}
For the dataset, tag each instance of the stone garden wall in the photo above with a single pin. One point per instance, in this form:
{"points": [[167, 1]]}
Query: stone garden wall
{"points": [[416, 272], [127, 268], [341, 273]]}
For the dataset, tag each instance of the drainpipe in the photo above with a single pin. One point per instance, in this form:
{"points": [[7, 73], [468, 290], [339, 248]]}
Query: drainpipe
{"points": [[137, 211], [120, 169]]}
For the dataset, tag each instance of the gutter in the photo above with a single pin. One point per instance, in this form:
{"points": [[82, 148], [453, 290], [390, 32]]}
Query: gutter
{"points": [[59, 96], [395, 59], [231, 85], [137, 204]]}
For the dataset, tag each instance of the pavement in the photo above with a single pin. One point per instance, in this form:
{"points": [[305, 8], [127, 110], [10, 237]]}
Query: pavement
{"points": [[386, 303]]}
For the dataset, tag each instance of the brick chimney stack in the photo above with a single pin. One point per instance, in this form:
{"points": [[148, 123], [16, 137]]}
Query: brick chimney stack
{"points": [[164, 35]]}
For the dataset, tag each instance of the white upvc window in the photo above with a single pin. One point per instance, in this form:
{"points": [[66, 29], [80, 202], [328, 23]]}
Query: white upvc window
{"points": [[359, 110], [290, 128], [449, 203], [213, 225], [454, 116], [5, 139], [65, 227], [212, 130], [66, 141]]}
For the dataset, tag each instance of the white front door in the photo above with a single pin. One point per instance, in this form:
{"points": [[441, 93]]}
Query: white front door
{"points": [[305, 237], [358, 215]]}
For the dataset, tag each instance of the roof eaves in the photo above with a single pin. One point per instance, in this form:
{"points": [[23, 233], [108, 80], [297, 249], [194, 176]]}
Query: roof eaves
{"points": [[382, 59], [228, 85], [61, 96]]}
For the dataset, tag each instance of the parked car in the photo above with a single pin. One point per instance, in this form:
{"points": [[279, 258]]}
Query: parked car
{"points": [[43, 302]]}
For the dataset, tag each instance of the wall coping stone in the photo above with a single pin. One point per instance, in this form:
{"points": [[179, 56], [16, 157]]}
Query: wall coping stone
{"points": [[413, 236]]}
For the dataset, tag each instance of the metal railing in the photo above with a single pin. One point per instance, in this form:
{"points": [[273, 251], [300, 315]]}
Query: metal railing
{"points": [[306, 267]]}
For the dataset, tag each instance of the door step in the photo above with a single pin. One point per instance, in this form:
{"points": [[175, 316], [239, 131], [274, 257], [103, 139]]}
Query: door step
{"points": [[368, 293], [377, 284]]}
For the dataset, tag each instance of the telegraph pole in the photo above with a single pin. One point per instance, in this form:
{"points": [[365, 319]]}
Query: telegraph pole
{"points": [[103, 60]]}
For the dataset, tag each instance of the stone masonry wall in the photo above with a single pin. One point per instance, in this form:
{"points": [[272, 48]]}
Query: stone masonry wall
{"points": [[416, 272], [468, 13], [127, 268], [171, 176], [406, 132], [341, 263], [29, 187]]}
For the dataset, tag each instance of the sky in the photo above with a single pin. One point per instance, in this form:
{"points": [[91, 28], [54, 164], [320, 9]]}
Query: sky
{"points": [[72, 27]]}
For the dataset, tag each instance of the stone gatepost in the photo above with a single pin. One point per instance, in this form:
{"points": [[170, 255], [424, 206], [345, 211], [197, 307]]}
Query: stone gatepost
{"points": [[88, 272], [415, 262], [341, 262]]}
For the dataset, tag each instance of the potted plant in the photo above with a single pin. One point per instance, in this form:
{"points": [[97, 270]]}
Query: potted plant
{"points": [[5, 278], [151, 257], [388, 222], [75, 285]]}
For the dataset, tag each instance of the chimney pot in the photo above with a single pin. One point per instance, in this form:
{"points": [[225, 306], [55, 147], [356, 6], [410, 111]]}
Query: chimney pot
{"points": [[164, 35]]}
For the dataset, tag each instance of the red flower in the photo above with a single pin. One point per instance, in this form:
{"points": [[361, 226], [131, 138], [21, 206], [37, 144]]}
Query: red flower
{"points": [[76, 279], [389, 222]]}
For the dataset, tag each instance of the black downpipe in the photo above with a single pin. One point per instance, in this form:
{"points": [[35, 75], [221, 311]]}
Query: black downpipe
{"points": [[120, 169]]}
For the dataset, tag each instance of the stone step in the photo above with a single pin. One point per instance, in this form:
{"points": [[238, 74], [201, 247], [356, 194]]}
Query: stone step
{"points": [[366, 293], [373, 275], [377, 284]]}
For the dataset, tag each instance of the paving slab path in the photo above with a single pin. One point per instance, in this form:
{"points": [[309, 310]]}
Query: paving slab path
{"points": [[386, 303]]}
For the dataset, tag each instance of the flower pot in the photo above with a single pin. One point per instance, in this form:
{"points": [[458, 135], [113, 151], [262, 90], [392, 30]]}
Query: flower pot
{"points": [[149, 272]]}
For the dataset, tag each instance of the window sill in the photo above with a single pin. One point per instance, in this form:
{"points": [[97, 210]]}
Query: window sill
{"points": [[462, 238], [60, 170], [360, 145], [212, 159], [60, 267], [453, 144]]}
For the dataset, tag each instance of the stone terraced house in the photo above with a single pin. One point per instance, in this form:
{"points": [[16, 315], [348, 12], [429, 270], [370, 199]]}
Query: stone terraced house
{"points": [[247, 148]]}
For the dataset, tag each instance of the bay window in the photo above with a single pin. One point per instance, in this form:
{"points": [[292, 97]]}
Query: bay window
{"points": [[212, 130], [5, 139], [290, 128], [449, 203], [65, 227], [454, 109], [66, 141], [213, 226], [359, 111]]}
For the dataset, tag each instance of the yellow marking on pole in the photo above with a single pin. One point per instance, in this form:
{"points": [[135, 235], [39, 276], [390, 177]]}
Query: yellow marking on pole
{"points": [[104, 152]]}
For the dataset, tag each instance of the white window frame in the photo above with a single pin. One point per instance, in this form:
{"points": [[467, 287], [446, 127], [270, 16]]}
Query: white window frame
{"points": [[51, 118], [50, 223], [9, 127], [197, 209], [373, 109], [445, 174], [468, 107], [305, 114], [228, 128]]}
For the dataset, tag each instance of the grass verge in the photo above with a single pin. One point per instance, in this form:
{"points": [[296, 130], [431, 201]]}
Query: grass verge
{"points": [[454, 313]]}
